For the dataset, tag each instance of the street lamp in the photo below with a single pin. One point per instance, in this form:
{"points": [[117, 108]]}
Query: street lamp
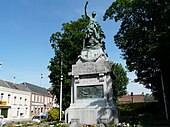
{"points": [[61, 85]]}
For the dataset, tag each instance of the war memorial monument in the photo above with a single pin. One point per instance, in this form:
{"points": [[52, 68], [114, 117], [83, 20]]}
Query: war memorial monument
{"points": [[91, 88]]}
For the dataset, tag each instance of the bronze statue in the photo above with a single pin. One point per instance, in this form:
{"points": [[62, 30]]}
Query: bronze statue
{"points": [[93, 30]]}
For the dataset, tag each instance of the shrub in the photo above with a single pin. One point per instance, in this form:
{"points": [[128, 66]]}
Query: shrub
{"points": [[53, 114]]}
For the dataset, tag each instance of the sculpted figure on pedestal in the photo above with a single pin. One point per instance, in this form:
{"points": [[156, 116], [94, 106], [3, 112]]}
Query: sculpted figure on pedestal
{"points": [[93, 31]]}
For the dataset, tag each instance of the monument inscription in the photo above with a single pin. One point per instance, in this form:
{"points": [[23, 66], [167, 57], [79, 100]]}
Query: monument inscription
{"points": [[89, 68]]}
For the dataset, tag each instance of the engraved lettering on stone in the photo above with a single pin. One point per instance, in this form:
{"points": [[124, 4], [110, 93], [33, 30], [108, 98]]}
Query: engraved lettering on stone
{"points": [[88, 68]]}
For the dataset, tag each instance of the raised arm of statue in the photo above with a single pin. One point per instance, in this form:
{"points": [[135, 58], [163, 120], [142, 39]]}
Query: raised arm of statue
{"points": [[85, 10], [92, 30]]}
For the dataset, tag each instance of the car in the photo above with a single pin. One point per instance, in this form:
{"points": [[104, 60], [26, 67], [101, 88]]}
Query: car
{"points": [[44, 115], [38, 119]]}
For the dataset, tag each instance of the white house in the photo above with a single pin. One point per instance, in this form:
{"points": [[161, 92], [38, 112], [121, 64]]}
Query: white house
{"points": [[14, 101], [22, 101]]}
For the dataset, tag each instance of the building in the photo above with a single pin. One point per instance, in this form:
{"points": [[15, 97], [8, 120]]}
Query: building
{"points": [[137, 98], [14, 101], [126, 99], [22, 101], [41, 99]]}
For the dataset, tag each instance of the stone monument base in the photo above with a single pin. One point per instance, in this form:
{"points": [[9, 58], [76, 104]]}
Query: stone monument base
{"points": [[95, 112]]}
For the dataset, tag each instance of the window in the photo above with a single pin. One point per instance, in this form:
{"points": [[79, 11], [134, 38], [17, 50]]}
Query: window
{"points": [[48, 100], [33, 98], [36, 98], [26, 111], [20, 100], [9, 98], [18, 111], [15, 100], [45, 100], [35, 110], [41, 99], [2, 95], [14, 114], [21, 112], [32, 109], [25, 101]]}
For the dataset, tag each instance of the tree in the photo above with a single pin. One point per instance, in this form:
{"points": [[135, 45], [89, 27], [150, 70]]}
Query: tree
{"points": [[143, 39], [121, 81], [67, 46]]}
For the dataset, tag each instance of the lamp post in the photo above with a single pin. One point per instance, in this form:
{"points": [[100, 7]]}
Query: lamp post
{"points": [[61, 85]]}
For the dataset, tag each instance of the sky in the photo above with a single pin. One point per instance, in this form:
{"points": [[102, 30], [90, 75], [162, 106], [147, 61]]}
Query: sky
{"points": [[25, 29]]}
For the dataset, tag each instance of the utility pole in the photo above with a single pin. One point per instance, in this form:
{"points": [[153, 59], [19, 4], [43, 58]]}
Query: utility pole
{"points": [[61, 85]]}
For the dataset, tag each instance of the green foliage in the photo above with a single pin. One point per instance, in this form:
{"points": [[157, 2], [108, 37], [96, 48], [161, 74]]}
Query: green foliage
{"points": [[67, 46], [53, 114], [140, 112], [125, 109], [121, 81], [139, 108], [143, 39], [61, 125]]}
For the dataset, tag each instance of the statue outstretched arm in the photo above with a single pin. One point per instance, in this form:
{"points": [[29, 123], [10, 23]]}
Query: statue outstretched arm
{"points": [[85, 9]]}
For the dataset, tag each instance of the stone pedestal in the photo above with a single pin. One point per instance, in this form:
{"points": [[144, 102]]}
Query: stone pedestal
{"points": [[91, 90]]}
